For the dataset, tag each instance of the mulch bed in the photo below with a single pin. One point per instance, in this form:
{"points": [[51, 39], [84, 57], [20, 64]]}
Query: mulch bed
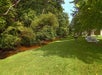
{"points": [[7, 53]]}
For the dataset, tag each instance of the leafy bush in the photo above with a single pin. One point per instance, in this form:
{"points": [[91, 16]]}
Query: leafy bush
{"points": [[44, 20], [2, 24], [45, 26], [8, 41], [14, 29], [27, 37], [62, 32], [28, 17], [47, 33], [17, 32]]}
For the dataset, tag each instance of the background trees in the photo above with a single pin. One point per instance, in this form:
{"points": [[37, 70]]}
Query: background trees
{"points": [[88, 14], [31, 21]]}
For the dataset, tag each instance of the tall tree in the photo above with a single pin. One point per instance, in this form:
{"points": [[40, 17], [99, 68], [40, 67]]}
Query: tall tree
{"points": [[88, 14]]}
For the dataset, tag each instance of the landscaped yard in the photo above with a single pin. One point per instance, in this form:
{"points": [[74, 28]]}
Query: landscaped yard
{"points": [[62, 57]]}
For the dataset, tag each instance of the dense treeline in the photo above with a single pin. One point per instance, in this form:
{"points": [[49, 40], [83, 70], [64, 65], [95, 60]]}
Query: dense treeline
{"points": [[87, 15], [27, 22]]}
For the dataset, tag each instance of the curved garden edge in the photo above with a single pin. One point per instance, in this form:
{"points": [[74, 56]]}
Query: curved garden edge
{"points": [[7, 53]]}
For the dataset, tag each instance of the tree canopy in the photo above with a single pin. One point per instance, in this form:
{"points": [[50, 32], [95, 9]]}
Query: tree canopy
{"points": [[31, 21], [88, 14]]}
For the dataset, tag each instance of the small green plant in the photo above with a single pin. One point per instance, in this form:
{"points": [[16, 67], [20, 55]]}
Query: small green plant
{"points": [[8, 41]]}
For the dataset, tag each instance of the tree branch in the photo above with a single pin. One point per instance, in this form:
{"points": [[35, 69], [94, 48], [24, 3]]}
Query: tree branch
{"points": [[11, 7]]}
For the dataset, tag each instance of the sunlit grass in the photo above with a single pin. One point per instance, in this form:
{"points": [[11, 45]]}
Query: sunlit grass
{"points": [[99, 37], [62, 57]]}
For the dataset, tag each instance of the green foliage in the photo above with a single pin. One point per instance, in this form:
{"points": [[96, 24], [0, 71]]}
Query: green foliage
{"points": [[28, 17], [43, 20], [62, 57], [24, 33], [4, 4], [45, 26], [31, 20], [62, 30], [2, 24], [47, 33], [27, 37], [88, 14], [8, 41], [14, 29]]}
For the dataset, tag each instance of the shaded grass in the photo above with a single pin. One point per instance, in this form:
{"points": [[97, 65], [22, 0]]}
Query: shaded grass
{"points": [[87, 52], [63, 57]]}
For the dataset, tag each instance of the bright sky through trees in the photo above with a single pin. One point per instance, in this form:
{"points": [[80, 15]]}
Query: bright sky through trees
{"points": [[68, 7]]}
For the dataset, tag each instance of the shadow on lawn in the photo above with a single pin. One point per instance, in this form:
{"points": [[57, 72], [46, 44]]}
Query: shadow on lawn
{"points": [[87, 52]]}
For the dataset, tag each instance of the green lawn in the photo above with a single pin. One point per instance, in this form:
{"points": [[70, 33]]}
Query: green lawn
{"points": [[63, 57]]}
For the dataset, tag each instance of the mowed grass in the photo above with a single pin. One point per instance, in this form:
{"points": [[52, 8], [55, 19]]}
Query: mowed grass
{"points": [[63, 57]]}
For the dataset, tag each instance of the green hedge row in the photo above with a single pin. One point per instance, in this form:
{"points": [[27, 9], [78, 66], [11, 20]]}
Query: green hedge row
{"points": [[43, 27]]}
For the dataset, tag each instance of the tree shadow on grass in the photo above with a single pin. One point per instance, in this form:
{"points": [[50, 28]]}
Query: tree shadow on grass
{"points": [[87, 52]]}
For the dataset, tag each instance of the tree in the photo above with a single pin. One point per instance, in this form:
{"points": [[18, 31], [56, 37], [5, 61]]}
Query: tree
{"points": [[88, 14], [30, 20]]}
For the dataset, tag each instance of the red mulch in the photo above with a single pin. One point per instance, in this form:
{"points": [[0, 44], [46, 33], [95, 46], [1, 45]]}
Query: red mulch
{"points": [[7, 53]]}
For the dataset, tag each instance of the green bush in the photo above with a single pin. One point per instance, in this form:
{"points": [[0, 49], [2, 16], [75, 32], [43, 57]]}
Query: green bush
{"points": [[45, 26], [13, 33], [62, 32], [8, 41], [45, 20], [47, 33], [27, 37], [28, 17], [2, 24], [14, 29]]}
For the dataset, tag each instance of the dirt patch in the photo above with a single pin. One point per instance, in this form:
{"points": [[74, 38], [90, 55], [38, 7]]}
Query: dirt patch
{"points": [[4, 54], [7, 53]]}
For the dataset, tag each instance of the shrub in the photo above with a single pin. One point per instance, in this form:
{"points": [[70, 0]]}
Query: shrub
{"points": [[28, 17], [49, 32], [27, 37], [14, 29], [62, 32], [26, 34], [2, 24], [45, 26], [8, 41], [44, 20]]}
